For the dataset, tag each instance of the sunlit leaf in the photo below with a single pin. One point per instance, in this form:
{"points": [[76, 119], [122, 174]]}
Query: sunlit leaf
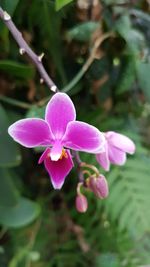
{"points": [[62, 3]]}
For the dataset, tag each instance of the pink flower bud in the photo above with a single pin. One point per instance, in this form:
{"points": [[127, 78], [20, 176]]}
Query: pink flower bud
{"points": [[99, 186], [81, 203]]}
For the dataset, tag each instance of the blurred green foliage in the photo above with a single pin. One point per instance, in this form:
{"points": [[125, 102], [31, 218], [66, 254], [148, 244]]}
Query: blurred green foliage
{"points": [[39, 226]]}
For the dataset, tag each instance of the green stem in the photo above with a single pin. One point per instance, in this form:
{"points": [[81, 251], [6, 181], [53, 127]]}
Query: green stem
{"points": [[74, 81], [15, 102]]}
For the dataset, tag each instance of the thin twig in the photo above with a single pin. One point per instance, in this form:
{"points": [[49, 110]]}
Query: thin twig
{"points": [[37, 60], [84, 68], [88, 62], [24, 48]]}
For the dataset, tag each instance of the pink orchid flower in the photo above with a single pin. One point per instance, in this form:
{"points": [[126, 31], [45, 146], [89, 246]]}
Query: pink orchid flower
{"points": [[116, 146], [59, 132]]}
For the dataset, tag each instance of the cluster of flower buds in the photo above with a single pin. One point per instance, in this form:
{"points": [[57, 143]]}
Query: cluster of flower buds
{"points": [[95, 183]]}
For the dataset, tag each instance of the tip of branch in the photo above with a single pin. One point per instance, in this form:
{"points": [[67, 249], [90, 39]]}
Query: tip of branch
{"points": [[40, 57], [6, 16], [54, 88], [41, 80], [22, 51]]}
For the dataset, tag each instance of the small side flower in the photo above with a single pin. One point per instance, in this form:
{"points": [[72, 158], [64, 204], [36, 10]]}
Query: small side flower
{"points": [[115, 149]]}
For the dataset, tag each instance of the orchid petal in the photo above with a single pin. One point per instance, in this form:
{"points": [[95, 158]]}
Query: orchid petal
{"points": [[31, 132], [116, 156], [121, 141], [103, 159], [84, 137], [59, 112], [44, 155], [58, 170]]}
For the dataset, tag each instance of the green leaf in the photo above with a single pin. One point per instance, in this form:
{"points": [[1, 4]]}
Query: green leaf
{"points": [[135, 39], [50, 21], [61, 3], [10, 154], [143, 76], [140, 14], [20, 215], [15, 211], [17, 69], [8, 193], [107, 259], [9, 5], [127, 74], [83, 31]]}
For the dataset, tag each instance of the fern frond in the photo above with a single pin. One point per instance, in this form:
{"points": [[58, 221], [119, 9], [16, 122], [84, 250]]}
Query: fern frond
{"points": [[129, 199]]}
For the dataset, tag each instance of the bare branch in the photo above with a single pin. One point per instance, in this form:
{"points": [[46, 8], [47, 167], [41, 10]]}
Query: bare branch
{"points": [[24, 48]]}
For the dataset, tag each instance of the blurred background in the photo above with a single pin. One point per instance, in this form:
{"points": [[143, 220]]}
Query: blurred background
{"points": [[109, 81]]}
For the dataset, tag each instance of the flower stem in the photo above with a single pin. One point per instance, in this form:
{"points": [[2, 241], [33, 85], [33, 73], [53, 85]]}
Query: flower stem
{"points": [[24, 48]]}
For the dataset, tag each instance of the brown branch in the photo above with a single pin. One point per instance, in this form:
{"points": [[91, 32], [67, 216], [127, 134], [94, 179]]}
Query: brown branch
{"points": [[24, 48]]}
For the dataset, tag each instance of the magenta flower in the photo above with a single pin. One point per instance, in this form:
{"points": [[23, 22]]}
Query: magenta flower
{"points": [[116, 147], [59, 132]]}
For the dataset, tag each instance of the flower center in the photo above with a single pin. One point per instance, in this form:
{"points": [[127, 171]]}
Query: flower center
{"points": [[63, 154]]}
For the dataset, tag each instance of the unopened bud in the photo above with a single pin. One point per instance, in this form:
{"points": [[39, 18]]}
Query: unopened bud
{"points": [[81, 203], [99, 186]]}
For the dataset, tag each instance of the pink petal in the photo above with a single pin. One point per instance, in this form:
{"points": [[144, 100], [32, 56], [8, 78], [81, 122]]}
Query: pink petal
{"points": [[56, 150], [103, 159], [44, 155], [84, 137], [59, 112], [121, 141], [31, 132], [116, 156], [58, 170]]}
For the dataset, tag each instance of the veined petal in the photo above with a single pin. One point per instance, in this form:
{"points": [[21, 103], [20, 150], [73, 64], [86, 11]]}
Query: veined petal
{"points": [[31, 132], [116, 156], [83, 137], [121, 141], [59, 112], [103, 159], [58, 170]]}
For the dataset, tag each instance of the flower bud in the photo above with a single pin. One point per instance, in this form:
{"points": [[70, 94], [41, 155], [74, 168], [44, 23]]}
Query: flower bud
{"points": [[99, 186], [81, 203]]}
